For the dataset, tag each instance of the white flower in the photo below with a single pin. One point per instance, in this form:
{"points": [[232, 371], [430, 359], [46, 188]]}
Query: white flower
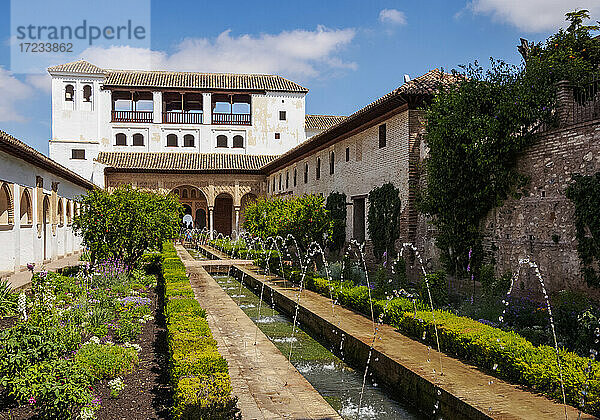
{"points": [[87, 413], [22, 306]]}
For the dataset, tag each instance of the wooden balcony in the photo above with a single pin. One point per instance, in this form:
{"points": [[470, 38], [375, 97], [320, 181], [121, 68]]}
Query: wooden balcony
{"points": [[182, 118], [133, 116], [230, 119]]}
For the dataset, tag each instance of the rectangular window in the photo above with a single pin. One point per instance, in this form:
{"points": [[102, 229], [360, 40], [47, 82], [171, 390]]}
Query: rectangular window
{"points": [[347, 154], [318, 172], [358, 219], [295, 177], [279, 182], [282, 116], [306, 173], [382, 135], [287, 180], [78, 154], [277, 136], [331, 163]]}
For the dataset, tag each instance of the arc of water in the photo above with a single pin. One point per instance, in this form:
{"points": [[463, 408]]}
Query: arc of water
{"points": [[538, 274], [419, 258]]}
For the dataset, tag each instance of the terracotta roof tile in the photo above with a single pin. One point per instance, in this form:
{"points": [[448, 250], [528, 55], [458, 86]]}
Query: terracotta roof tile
{"points": [[17, 148], [80, 66], [183, 161], [191, 80], [322, 122]]}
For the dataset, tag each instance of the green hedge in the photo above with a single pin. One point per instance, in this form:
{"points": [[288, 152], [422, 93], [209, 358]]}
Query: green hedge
{"points": [[198, 372], [504, 354]]}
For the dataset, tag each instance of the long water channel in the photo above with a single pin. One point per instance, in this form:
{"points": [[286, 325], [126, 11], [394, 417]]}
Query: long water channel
{"points": [[335, 380]]}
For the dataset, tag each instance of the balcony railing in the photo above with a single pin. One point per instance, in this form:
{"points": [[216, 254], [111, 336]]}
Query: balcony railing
{"points": [[232, 119], [182, 117], [132, 116]]}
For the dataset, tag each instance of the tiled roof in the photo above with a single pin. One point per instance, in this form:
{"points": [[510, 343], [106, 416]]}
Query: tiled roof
{"points": [[322, 122], [225, 81], [80, 66], [425, 85], [191, 80], [17, 148], [183, 161]]}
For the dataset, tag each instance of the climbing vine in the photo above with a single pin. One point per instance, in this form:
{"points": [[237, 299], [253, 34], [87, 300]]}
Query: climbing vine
{"points": [[585, 194], [384, 219], [336, 204], [477, 127]]}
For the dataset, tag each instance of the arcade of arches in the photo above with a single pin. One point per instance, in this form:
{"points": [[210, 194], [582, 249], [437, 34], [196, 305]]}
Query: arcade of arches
{"points": [[213, 201]]}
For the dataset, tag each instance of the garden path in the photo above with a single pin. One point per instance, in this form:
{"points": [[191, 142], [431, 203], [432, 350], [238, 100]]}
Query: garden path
{"points": [[22, 279], [267, 386]]}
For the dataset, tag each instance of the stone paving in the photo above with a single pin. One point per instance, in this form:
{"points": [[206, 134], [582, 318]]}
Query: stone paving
{"points": [[22, 279], [490, 396], [267, 386]]}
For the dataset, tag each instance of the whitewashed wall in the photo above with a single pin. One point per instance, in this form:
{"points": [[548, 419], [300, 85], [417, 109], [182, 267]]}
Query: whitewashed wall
{"points": [[22, 241]]}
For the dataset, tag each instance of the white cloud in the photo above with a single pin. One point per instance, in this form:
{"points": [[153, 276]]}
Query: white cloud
{"points": [[12, 91], [392, 16], [299, 53], [40, 81], [533, 15]]}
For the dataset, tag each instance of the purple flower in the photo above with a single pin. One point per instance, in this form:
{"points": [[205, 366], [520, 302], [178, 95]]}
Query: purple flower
{"points": [[30, 266]]}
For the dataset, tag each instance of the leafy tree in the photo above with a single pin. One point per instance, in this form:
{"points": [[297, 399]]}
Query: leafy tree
{"points": [[126, 222], [477, 128], [304, 217], [336, 205], [384, 219]]}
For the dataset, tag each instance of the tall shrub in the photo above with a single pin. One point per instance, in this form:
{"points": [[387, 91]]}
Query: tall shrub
{"points": [[384, 218], [304, 217], [476, 129], [336, 205], [126, 222]]}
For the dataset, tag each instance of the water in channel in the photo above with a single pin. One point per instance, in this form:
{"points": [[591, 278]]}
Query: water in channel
{"points": [[337, 382]]}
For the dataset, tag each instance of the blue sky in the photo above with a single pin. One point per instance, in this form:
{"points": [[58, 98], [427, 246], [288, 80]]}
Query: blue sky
{"points": [[347, 53]]}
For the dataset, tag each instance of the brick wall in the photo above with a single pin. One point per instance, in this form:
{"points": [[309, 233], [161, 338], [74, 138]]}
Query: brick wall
{"points": [[369, 166], [540, 225]]}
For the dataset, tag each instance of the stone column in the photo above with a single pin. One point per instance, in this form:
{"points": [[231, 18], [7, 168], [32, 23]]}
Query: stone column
{"points": [[210, 221], [237, 221], [564, 103], [206, 108], [39, 203], [157, 104]]}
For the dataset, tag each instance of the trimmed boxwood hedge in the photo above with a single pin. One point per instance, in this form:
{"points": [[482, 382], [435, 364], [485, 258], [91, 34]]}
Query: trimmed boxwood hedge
{"points": [[199, 374], [503, 354]]}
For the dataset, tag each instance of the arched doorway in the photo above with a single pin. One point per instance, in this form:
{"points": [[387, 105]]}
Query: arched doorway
{"points": [[200, 219], [223, 213], [194, 203]]}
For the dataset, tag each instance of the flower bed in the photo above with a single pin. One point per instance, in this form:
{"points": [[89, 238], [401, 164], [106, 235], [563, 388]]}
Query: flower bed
{"points": [[504, 354], [199, 374], [72, 334]]}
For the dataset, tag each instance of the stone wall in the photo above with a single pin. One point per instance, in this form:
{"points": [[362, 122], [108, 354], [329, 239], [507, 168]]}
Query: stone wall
{"points": [[540, 225]]}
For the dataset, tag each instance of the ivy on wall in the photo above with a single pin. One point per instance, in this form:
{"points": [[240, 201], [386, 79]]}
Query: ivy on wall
{"points": [[585, 194], [384, 219], [336, 205]]}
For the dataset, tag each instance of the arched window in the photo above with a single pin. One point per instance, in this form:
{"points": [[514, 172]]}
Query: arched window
{"points": [[221, 140], [138, 139], [171, 140], [60, 214], [184, 193], [87, 93], [6, 206], [26, 211], [120, 139], [193, 194], [69, 93], [188, 140], [238, 141], [68, 210]]}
